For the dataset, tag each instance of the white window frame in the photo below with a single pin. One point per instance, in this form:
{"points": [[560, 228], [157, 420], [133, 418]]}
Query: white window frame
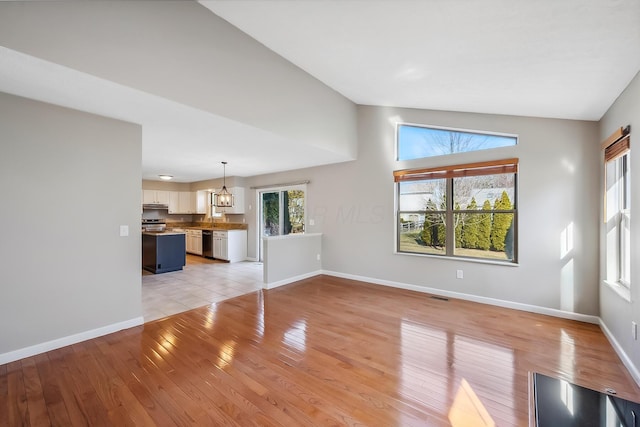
{"points": [[618, 256]]}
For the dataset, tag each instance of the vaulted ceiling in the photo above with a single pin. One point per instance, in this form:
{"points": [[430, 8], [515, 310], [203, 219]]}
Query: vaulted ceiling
{"points": [[566, 59]]}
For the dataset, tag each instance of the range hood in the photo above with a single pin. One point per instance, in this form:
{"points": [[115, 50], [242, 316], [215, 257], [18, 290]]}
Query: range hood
{"points": [[155, 206]]}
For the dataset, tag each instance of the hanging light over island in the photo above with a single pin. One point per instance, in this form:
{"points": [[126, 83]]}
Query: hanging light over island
{"points": [[224, 199]]}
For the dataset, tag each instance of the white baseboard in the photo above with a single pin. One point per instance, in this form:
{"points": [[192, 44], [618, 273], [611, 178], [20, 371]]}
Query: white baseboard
{"points": [[467, 297], [290, 280], [68, 340], [626, 360]]}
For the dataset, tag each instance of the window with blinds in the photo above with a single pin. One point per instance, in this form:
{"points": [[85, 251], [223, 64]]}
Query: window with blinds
{"points": [[467, 210], [617, 207]]}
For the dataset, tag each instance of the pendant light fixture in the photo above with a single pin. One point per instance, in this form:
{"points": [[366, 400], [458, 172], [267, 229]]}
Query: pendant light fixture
{"points": [[224, 199]]}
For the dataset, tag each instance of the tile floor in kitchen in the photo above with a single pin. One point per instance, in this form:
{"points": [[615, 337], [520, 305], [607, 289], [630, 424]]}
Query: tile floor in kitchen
{"points": [[200, 283]]}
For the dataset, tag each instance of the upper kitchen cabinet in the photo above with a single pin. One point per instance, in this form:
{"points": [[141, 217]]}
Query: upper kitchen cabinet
{"points": [[202, 201], [155, 197], [182, 202]]}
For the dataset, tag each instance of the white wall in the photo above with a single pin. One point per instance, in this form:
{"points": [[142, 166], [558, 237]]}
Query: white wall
{"points": [[352, 205], [616, 312], [68, 180], [182, 51]]}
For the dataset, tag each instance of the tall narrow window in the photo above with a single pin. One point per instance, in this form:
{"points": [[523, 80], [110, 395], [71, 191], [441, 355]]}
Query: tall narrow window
{"points": [[617, 212], [463, 211]]}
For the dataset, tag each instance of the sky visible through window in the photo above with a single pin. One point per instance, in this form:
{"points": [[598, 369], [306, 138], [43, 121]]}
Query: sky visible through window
{"points": [[416, 142]]}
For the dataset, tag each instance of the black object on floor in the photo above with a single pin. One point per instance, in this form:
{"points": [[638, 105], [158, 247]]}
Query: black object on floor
{"points": [[559, 403]]}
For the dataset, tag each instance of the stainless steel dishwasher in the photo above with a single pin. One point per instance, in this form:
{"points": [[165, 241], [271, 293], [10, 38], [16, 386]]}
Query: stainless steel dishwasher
{"points": [[207, 243]]}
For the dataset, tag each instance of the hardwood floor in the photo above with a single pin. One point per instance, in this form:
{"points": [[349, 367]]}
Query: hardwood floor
{"points": [[323, 351]]}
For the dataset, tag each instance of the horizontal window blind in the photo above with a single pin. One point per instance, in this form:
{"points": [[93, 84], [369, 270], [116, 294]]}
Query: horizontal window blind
{"points": [[618, 144], [617, 149], [458, 171]]}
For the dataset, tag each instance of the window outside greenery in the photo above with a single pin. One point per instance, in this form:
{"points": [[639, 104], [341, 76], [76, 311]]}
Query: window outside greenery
{"points": [[283, 212], [464, 210], [479, 222], [416, 142]]}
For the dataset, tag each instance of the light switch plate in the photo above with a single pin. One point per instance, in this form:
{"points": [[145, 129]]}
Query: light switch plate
{"points": [[124, 230]]}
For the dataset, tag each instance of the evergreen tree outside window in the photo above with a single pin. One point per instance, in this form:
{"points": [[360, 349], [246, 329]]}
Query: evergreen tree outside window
{"points": [[461, 211]]}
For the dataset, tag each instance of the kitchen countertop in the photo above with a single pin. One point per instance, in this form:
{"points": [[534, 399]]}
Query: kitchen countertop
{"points": [[206, 228], [216, 226], [162, 233]]}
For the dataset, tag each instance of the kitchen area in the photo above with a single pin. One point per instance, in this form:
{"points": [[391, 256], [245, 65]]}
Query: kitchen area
{"points": [[209, 231], [193, 252]]}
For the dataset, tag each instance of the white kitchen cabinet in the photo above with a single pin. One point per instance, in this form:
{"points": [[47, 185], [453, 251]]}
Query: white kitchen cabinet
{"points": [[182, 202], [197, 242], [187, 202], [155, 197], [202, 200], [194, 241], [220, 250], [230, 245], [174, 202], [188, 241]]}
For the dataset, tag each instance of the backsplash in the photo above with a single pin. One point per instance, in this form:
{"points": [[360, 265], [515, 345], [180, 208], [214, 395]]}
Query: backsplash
{"points": [[228, 222]]}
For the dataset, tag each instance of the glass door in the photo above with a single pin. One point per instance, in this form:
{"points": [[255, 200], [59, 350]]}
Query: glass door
{"points": [[270, 219], [282, 212]]}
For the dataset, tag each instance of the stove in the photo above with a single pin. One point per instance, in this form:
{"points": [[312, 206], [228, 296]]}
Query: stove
{"points": [[153, 224]]}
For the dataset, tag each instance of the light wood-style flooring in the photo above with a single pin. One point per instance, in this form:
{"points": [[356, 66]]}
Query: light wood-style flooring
{"points": [[320, 352]]}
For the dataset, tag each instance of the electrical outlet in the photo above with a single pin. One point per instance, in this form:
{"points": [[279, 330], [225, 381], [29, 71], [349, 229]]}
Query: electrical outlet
{"points": [[124, 230], [312, 222], [459, 274], [318, 257]]}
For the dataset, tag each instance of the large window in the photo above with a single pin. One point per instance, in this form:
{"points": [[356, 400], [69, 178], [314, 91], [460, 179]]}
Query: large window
{"points": [[463, 211], [617, 208], [416, 142]]}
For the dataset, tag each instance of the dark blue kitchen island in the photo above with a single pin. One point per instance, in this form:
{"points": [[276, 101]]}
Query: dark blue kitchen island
{"points": [[163, 252]]}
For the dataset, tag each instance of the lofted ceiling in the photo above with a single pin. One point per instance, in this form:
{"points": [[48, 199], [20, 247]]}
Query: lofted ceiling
{"points": [[566, 59]]}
